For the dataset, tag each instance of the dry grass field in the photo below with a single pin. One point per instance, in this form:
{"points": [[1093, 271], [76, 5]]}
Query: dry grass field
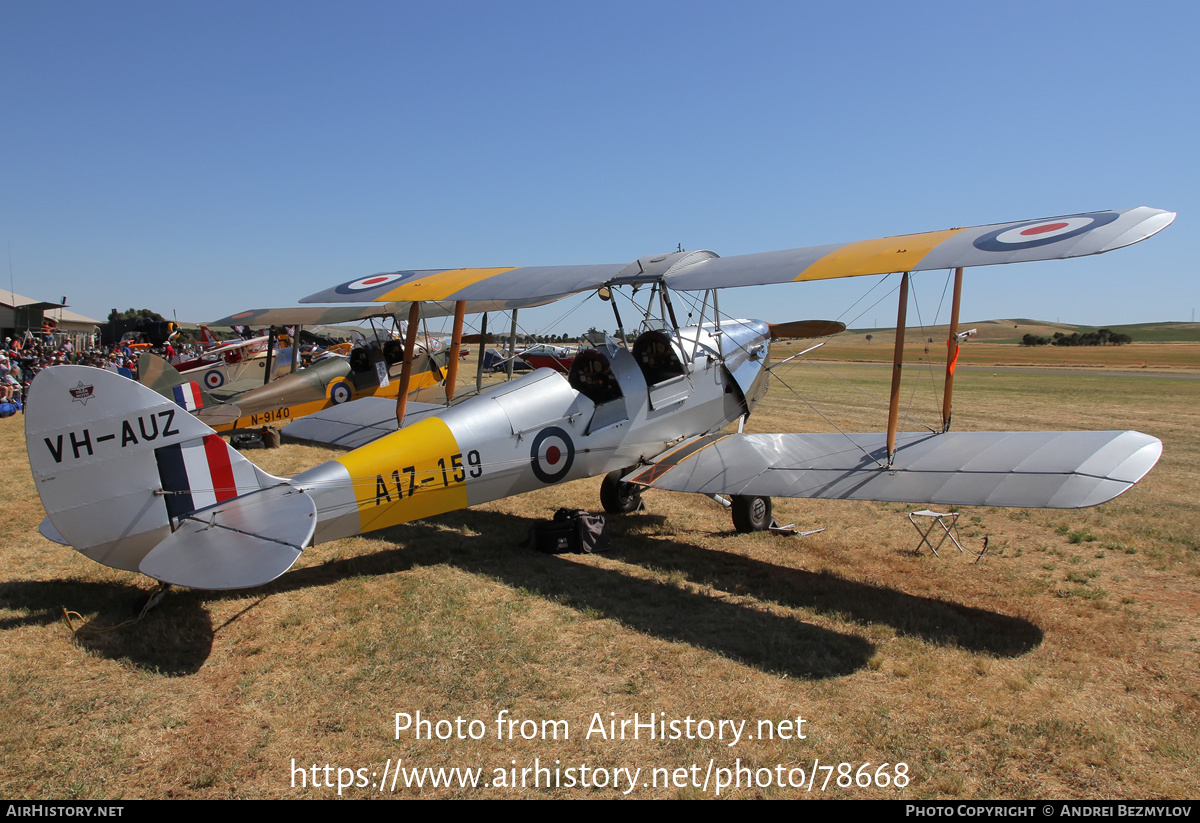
{"points": [[1062, 665], [1157, 347]]}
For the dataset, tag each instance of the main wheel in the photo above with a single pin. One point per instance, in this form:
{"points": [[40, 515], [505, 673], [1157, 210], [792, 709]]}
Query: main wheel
{"points": [[751, 514], [617, 497]]}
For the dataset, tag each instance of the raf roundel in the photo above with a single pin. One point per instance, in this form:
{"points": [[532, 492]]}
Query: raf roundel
{"points": [[340, 392], [552, 455], [213, 379], [375, 281], [1042, 232]]}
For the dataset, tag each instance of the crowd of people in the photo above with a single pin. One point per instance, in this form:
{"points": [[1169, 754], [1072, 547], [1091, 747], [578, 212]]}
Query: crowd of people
{"points": [[21, 358]]}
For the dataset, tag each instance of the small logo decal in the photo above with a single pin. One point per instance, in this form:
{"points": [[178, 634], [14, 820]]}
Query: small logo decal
{"points": [[81, 393]]}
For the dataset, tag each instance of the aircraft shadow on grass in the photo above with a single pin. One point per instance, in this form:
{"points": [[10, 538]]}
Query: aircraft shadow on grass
{"points": [[176, 644], [177, 637]]}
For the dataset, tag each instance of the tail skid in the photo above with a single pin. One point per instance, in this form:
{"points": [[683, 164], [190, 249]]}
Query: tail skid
{"points": [[132, 481]]}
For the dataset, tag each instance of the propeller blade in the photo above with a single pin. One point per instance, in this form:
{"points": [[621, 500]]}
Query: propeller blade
{"points": [[806, 328]]}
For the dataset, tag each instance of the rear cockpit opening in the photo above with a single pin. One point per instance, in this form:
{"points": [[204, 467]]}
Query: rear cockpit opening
{"points": [[657, 357]]}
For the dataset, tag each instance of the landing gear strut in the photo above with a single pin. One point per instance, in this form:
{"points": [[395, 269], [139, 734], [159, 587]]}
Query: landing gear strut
{"points": [[617, 497]]}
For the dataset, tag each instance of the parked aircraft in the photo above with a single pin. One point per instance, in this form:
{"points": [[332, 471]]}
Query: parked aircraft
{"points": [[132, 481], [370, 369], [230, 366]]}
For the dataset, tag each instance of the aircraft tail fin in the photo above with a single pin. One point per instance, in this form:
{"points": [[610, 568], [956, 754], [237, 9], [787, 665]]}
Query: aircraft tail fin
{"points": [[159, 375], [123, 472], [207, 338]]}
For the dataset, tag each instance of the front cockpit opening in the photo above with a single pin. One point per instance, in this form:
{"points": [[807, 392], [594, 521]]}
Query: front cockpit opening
{"points": [[592, 376]]}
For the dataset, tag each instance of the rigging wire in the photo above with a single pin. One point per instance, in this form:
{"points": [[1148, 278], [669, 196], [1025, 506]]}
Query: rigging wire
{"points": [[829, 421]]}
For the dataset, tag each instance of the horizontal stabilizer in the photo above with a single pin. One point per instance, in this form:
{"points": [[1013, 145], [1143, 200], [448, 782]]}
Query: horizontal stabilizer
{"points": [[50, 533], [1056, 470], [351, 425], [243, 542]]}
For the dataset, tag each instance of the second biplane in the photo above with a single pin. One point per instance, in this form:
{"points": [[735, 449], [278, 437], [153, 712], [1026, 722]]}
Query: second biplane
{"points": [[132, 481], [370, 368]]}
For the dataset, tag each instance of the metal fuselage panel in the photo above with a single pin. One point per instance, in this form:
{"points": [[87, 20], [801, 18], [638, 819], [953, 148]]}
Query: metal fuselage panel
{"points": [[532, 432]]}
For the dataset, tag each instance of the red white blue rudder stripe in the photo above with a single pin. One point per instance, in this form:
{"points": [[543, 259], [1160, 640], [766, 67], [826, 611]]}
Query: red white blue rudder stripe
{"points": [[201, 473], [188, 396]]}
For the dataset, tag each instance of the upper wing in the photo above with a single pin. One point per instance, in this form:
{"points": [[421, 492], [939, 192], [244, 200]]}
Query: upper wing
{"points": [[495, 289], [332, 315], [302, 316], [1055, 470], [1050, 238], [515, 287]]}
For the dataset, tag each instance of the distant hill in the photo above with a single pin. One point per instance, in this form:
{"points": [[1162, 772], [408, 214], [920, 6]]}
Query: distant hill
{"points": [[1011, 331]]}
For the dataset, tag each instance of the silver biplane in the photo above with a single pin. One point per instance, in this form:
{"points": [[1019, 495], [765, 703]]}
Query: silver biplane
{"points": [[132, 481]]}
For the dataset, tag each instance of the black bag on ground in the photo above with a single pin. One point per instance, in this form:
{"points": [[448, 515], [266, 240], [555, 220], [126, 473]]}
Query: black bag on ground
{"points": [[571, 530]]}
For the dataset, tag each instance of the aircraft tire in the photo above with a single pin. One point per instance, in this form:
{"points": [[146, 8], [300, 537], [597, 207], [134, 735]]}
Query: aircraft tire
{"points": [[617, 497], [751, 514]]}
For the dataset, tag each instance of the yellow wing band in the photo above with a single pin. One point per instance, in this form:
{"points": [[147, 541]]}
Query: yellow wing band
{"points": [[887, 254], [440, 286]]}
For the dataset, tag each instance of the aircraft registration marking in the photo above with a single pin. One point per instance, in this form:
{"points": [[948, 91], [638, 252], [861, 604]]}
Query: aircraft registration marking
{"points": [[404, 481], [82, 443], [416, 472], [272, 416]]}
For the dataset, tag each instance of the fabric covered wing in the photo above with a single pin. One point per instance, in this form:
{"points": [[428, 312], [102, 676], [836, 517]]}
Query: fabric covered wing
{"points": [[332, 315], [492, 289], [1049, 238], [351, 425], [1056, 470]]}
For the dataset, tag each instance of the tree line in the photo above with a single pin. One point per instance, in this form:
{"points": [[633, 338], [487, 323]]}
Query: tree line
{"points": [[1100, 337]]}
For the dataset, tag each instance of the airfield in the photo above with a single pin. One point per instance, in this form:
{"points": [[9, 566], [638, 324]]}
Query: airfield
{"points": [[1062, 664]]}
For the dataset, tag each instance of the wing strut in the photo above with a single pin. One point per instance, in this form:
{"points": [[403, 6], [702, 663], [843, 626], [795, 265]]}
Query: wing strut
{"points": [[897, 365], [410, 346], [512, 346], [271, 338], [483, 337], [460, 309], [952, 349], [296, 349]]}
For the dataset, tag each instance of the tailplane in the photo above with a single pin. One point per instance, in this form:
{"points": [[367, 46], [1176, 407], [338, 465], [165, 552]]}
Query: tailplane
{"points": [[125, 476]]}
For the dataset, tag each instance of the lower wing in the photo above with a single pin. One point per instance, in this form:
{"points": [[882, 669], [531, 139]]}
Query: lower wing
{"points": [[1056, 470]]}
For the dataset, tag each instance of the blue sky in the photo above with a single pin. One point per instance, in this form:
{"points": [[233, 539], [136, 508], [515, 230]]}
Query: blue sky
{"points": [[205, 158]]}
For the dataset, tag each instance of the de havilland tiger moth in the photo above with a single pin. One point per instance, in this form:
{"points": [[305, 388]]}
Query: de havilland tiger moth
{"points": [[368, 369], [131, 480]]}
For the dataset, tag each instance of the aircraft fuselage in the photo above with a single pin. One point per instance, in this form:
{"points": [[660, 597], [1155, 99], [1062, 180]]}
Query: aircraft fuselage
{"points": [[617, 408]]}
